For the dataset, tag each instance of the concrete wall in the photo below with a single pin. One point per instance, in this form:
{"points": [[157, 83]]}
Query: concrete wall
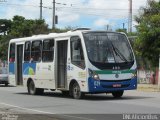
{"points": [[147, 76]]}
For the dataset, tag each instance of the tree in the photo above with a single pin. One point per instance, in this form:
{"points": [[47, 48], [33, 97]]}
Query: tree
{"points": [[22, 27], [19, 27], [148, 42], [5, 25], [4, 41], [67, 28], [39, 27], [122, 30]]}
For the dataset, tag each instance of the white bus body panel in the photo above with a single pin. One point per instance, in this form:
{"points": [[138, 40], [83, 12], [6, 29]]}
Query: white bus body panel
{"points": [[12, 80]]}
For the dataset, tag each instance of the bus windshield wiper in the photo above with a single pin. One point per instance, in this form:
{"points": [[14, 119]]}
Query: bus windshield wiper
{"points": [[117, 52], [107, 52]]}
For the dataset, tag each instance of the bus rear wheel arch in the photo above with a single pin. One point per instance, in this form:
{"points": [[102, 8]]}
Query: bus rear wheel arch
{"points": [[6, 84], [32, 90], [75, 90], [65, 93]]}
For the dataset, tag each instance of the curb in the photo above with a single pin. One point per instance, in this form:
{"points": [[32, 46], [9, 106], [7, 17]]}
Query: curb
{"points": [[148, 88]]}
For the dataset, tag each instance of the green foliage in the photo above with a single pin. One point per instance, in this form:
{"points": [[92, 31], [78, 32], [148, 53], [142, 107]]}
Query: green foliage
{"points": [[5, 25], [19, 27], [122, 30], [39, 27], [132, 34], [148, 42], [4, 46], [58, 30], [22, 27]]}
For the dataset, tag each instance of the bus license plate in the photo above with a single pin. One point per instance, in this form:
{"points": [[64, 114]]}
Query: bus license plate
{"points": [[117, 85]]}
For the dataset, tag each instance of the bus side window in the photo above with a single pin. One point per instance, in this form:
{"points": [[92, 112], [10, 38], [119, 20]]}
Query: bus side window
{"points": [[48, 50], [12, 53], [36, 50], [77, 56], [27, 51]]}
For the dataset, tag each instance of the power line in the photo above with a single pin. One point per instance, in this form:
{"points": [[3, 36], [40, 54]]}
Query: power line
{"points": [[18, 5], [71, 7], [49, 7], [117, 9], [99, 15], [79, 10], [92, 11]]}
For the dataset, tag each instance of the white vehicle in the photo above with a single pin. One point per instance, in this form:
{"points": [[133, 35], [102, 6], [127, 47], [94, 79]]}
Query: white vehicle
{"points": [[75, 62], [3, 76]]}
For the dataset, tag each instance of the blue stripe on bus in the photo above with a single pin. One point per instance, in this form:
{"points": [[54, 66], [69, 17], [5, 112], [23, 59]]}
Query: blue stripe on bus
{"points": [[98, 86], [11, 68]]}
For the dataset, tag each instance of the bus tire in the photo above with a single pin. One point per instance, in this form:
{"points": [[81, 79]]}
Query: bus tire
{"points": [[32, 90], [76, 91], [6, 84], [117, 94]]}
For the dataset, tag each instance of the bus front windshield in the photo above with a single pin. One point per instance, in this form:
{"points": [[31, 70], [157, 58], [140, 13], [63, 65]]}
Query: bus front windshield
{"points": [[108, 48]]}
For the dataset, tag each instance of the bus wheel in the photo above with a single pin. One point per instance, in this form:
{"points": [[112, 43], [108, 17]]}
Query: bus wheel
{"points": [[76, 92], [33, 90], [117, 94], [6, 84]]}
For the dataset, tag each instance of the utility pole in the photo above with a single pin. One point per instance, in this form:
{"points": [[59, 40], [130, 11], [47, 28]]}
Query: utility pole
{"points": [[107, 26], [53, 19], [159, 74], [130, 17], [123, 26], [40, 9], [3, 1]]}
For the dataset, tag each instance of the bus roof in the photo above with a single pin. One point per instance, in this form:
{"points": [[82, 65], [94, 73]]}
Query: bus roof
{"points": [[55, 35]]}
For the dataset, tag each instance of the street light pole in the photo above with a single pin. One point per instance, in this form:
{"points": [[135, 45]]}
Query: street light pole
{"points": [[130, 17], [40, 9], [53, 19]]}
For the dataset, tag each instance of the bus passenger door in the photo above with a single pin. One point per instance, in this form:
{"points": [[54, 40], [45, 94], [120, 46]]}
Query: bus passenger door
{"points": [[19, 58], [61, 64]]}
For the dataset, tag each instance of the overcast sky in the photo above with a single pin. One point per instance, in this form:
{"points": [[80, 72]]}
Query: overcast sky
{"points": [[95, 14]]}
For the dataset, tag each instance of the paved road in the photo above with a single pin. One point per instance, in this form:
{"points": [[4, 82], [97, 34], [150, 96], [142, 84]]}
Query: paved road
{"points": [[17, 101]]}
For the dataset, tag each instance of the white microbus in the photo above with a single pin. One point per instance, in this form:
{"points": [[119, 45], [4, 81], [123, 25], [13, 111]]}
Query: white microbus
{"points": [[75, 62]]}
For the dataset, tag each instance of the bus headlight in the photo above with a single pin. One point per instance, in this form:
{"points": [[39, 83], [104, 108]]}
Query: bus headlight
{"points": [[93, 74], [134, 75]]}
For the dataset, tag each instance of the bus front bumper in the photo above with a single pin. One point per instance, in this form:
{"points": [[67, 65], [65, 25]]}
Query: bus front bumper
{"points": [[104, 86]]}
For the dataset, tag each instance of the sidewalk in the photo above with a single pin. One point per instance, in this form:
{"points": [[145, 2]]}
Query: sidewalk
{"points": [[148, 88]]}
